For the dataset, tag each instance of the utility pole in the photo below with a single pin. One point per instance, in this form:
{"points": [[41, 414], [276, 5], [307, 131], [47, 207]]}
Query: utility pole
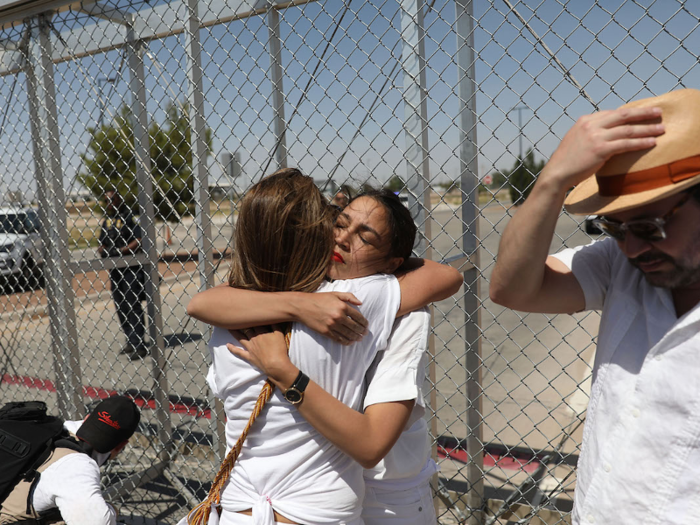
{"points": [[520, 109], [103, 103]]}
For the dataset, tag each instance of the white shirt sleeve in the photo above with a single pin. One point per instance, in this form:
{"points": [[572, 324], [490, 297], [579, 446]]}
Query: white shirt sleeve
{"points": [[397, 374], [381, 298], [592, 266], [73, 485], [380, 295]]}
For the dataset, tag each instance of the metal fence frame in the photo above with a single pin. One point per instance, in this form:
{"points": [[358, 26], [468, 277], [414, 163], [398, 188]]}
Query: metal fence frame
{"points": [[36, 56], [41, 47]]}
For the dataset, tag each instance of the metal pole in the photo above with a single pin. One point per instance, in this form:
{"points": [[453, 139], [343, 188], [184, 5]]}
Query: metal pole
{"points": [[469, 181], [417, 154], [416, 119], [520, 109], [199, 147], [103, 102], [52, 208], [137, 86], [277, 96], [200, 173], [520, 135]]}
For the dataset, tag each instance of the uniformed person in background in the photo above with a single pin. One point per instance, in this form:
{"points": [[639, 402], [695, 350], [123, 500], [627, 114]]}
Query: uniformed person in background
{"points": [[120, 236]]}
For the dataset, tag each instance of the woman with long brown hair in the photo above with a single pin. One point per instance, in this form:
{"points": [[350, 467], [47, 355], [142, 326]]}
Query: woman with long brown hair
{"points": [[287, 470]]}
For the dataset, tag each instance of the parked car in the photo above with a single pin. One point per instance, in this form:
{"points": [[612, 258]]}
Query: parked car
{"points": [[21, 247]]}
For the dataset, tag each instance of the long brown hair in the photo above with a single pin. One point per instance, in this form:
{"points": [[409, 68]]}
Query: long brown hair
{"points": [[284, 235]]}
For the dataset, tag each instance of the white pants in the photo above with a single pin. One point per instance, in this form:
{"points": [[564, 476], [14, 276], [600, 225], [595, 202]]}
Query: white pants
{"points": [[399, 507]]}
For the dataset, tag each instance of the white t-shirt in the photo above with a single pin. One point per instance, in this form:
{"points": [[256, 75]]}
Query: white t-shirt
{"points": [[285, 463], [73, 485], [398, 374], [640, 456]]}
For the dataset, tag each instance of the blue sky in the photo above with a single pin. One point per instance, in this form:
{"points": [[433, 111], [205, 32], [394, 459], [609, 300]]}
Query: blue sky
{"points": [[617, 50]]}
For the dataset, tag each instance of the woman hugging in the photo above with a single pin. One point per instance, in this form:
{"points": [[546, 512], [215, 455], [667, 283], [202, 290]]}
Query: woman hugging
{"points": [[329, 308]]}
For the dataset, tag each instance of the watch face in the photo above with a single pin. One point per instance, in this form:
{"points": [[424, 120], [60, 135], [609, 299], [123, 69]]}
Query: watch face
{"points": [[293, 396]]}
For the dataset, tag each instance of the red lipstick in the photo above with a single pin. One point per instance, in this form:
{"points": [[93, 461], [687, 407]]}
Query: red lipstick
{"points": [[338, 258]]}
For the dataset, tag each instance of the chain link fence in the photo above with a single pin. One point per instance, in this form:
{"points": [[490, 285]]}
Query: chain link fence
{"points": [[181, 105]]}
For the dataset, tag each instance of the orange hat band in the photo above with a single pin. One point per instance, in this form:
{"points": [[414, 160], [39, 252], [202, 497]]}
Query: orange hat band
{"points": [[658, 177]]}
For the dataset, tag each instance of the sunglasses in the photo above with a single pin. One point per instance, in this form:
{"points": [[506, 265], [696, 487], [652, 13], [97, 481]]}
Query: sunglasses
{"points": [[650, 230]]}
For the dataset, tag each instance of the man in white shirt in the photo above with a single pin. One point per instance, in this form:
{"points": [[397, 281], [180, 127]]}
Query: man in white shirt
{"points": [[67, 484], [638, 168]]}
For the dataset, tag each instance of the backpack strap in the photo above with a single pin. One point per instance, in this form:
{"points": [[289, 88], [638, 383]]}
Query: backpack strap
{"points": [[74, 444], [18, 505], [63, 440]]}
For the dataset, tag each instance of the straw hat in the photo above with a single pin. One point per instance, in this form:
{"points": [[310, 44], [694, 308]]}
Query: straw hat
{"points": [[637, 178]]}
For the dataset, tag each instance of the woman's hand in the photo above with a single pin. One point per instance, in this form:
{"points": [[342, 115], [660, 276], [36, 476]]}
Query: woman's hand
{"points": [[597, 137], [332, 314], [266, 350]]}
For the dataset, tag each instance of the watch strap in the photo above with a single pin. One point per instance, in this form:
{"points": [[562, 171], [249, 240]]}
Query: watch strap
{"points": [[301, 382], [295, 393]]}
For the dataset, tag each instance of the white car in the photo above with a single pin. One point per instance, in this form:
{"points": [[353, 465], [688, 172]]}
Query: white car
{"points": [[21, 247]]}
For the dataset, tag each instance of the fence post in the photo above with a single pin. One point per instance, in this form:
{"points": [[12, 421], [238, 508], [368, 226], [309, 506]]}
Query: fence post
{"points": [[137, 85], [469, 180], [277, 96], [415, 122], [41, 93], [415, 126], [200, 173]]}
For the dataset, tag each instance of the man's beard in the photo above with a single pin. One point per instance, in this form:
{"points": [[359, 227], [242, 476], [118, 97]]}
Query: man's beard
{"points": [[683, 273]]}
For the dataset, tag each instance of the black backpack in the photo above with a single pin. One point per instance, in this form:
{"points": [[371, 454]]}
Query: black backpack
{"points": [[27, 437]]}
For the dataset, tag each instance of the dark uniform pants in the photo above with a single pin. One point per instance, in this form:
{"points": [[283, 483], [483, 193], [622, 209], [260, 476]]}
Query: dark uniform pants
{"points": [[127, 292]]}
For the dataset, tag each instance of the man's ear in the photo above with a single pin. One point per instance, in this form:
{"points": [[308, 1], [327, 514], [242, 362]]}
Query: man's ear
{"points": [[393, 264]]}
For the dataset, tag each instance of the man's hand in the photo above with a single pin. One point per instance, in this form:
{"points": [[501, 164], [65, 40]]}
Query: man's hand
{"points": [[524, 278], [332, 314], [266, 350], [597, 137]]}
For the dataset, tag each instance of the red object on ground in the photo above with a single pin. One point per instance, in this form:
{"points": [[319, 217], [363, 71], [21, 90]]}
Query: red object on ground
{"points": [[528, 465], [142, 401]]}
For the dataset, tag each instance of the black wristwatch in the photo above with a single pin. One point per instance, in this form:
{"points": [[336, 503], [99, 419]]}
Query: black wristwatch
{"points": [[295, 393]]}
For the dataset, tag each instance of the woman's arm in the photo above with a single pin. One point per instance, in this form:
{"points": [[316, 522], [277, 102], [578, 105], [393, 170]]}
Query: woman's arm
{"points": [[367, 438], [330, 314], [425, 282]]}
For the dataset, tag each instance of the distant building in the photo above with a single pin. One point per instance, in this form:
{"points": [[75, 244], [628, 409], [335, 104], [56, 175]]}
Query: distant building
{"points": [[222, 189], [14, 197], [80, 196]]}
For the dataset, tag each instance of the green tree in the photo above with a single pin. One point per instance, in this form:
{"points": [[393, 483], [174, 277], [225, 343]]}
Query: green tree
{"points": [[110, 162], [522, 176], [395, 184], [498, 181]]}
